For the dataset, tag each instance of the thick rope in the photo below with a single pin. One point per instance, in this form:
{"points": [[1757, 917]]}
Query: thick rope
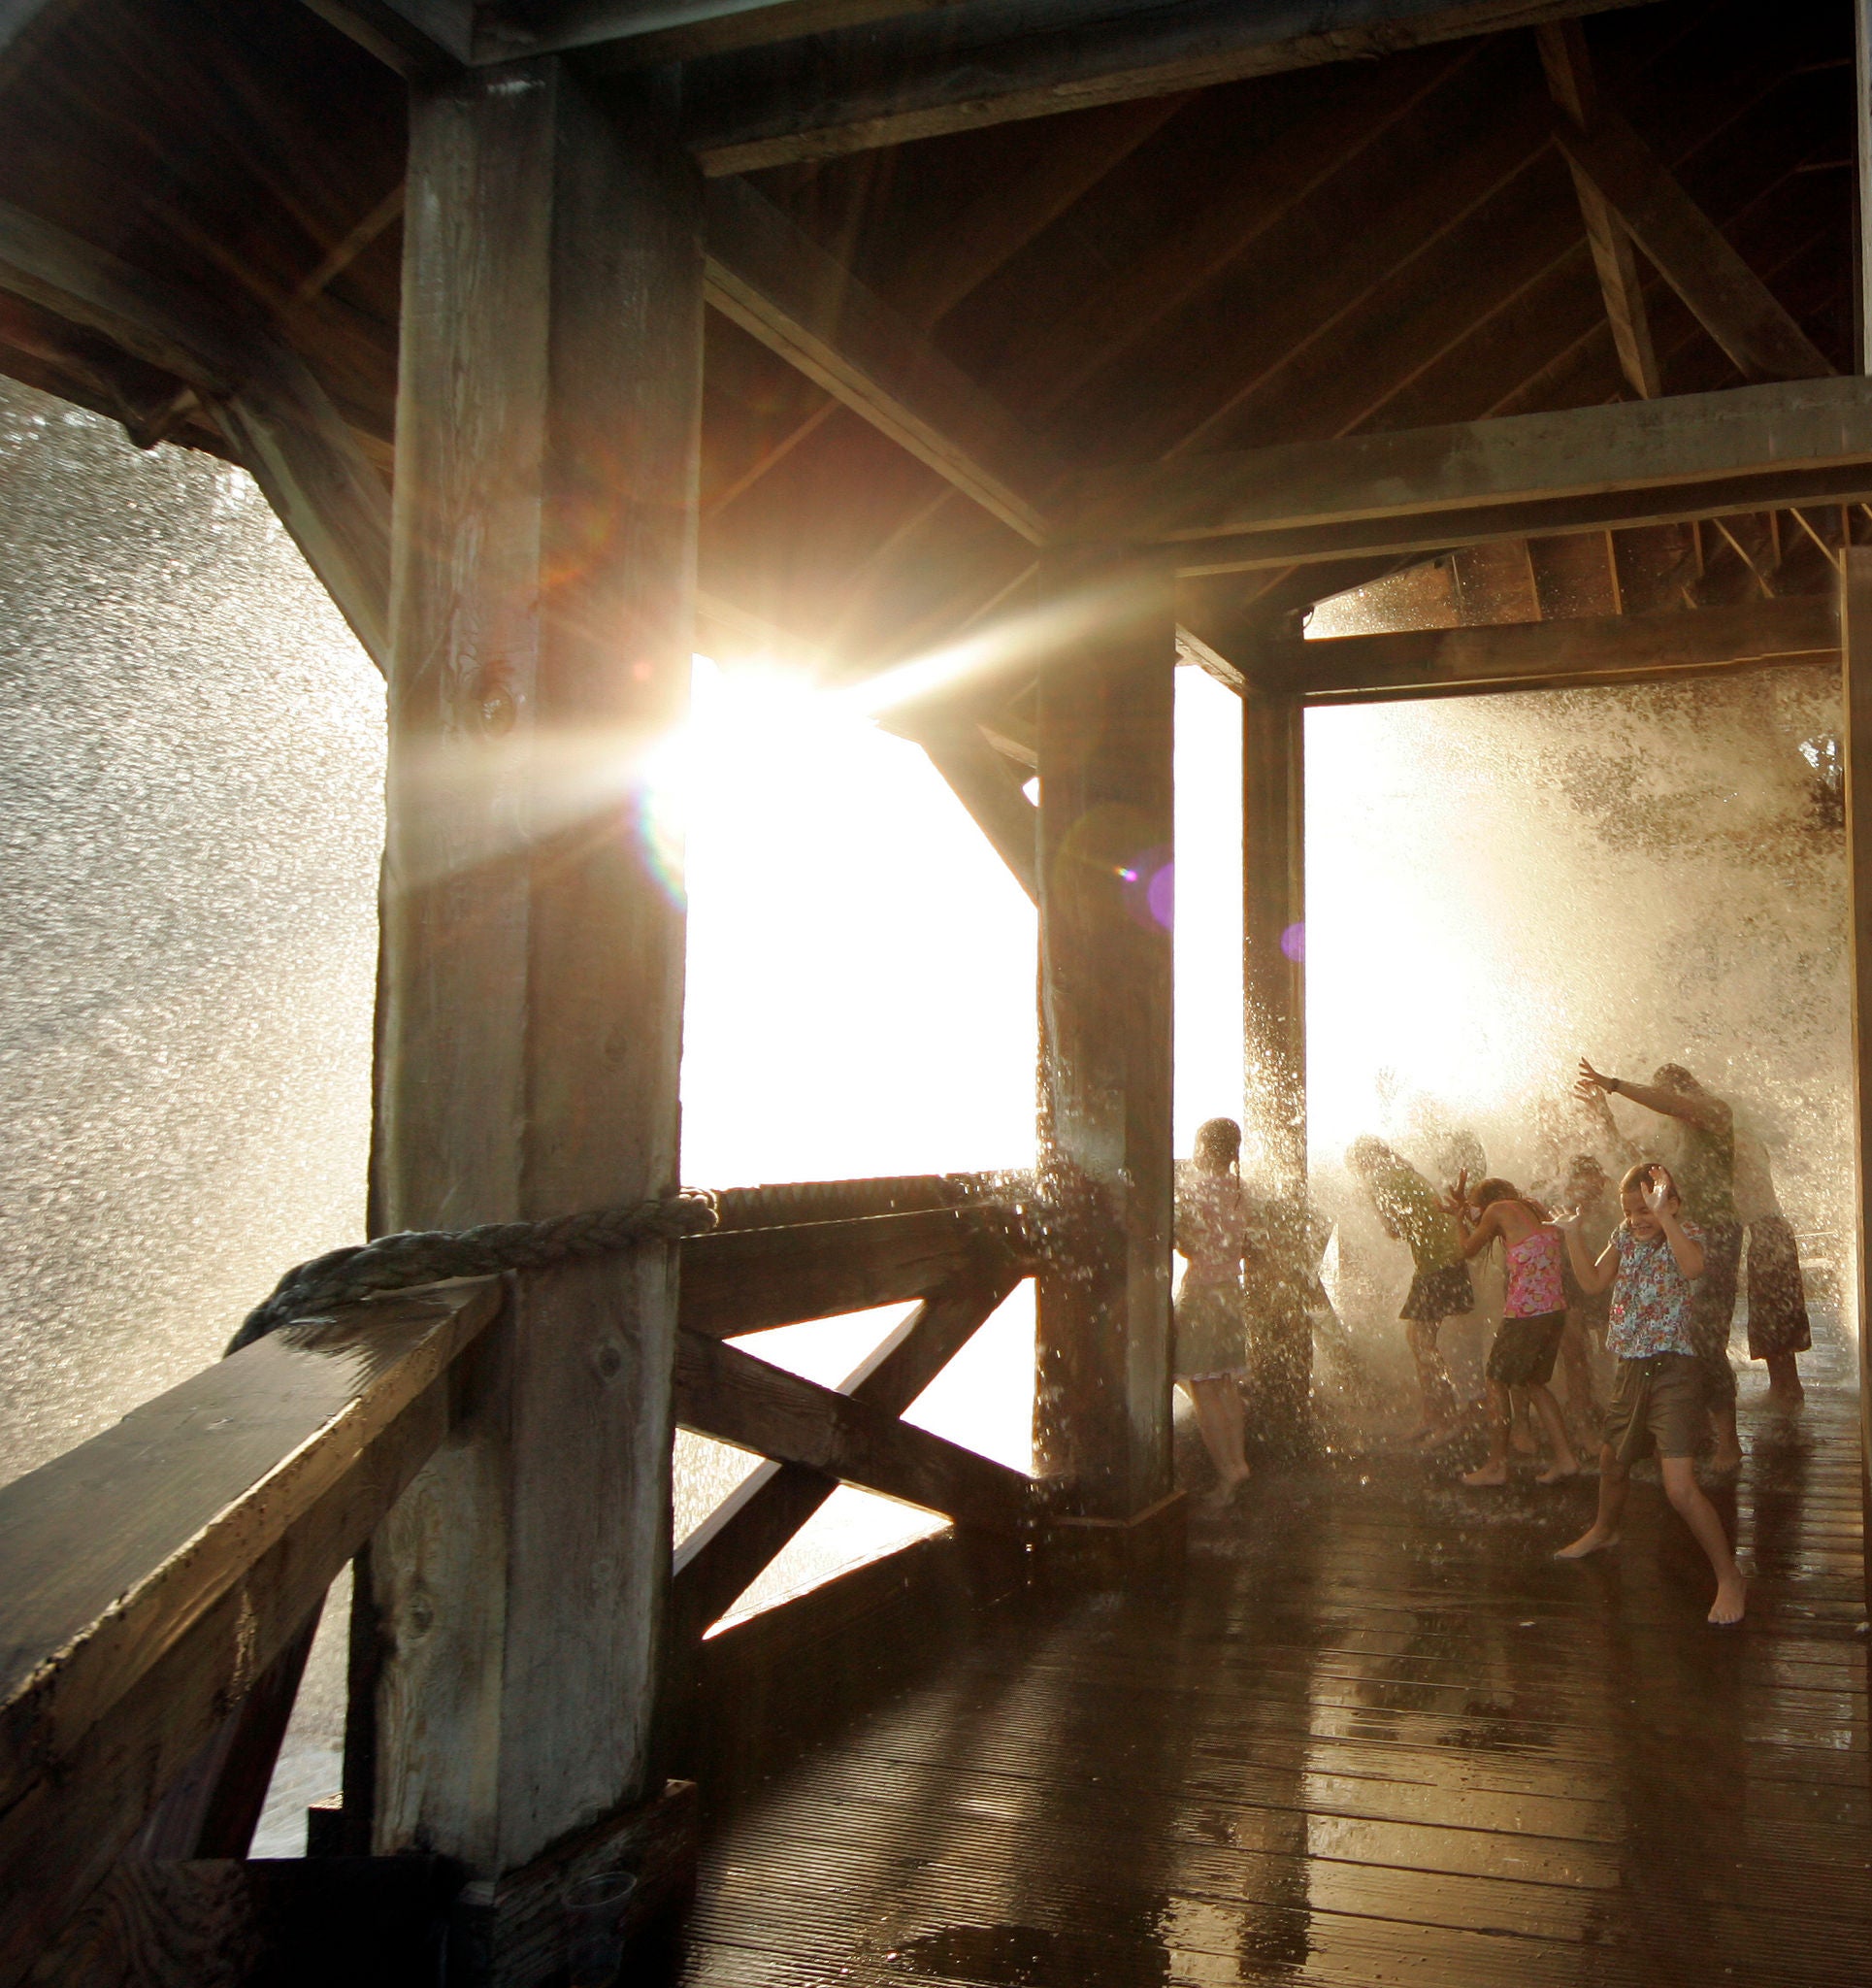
{"points": [[428, 1256]]}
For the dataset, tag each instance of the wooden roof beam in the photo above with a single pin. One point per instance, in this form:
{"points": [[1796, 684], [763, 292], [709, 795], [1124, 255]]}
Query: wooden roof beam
{"points": [[1750, 448], [1794, 628], [982, 62], [777, 283], [1570, 82], [1692, 255]]}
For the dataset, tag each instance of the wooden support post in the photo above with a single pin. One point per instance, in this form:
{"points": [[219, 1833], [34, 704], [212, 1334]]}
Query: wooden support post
{"points": [[544, 579], [1855, 657], [1101, 1407], [1273, 927]]}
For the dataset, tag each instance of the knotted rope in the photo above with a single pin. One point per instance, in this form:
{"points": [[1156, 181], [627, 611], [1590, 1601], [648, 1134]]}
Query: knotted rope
{"points": [[428, 1256]]}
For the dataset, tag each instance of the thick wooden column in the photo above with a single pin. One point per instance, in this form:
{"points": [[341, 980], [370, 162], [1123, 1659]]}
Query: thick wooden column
{"points": [[1274, 874], [543, 565], [1102, 1410], [1856, 658]]}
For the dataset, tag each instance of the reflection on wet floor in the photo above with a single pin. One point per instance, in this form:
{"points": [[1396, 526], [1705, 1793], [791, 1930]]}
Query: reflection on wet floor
{"points": [[1373, 1735]]}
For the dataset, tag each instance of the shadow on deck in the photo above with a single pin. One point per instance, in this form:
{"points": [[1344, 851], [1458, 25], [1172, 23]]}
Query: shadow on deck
{"points": [[1372, 1734]]}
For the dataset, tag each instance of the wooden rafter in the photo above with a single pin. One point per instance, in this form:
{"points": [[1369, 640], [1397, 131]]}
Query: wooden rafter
{"points": [[1719, 289], [959, 69], [1570, 81]]}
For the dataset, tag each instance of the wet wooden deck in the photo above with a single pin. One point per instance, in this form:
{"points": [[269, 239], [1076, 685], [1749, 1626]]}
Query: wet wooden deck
{"points": [[1374, 1735]]}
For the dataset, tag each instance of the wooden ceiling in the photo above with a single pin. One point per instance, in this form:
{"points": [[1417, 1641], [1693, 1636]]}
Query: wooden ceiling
{"points": [[1348, 247]]}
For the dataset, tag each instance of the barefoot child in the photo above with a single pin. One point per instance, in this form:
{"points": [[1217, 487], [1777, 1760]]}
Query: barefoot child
{"points": [[1658, 1401], [1534, 1317], [1209, 1323], [1410, 1211]]}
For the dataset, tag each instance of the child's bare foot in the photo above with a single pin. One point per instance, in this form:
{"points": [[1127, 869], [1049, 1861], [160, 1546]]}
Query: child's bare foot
{"points": [[1488, 1473], [1558, 1473], [1594, 1539], [1731, 1599], [1223, 1495]]}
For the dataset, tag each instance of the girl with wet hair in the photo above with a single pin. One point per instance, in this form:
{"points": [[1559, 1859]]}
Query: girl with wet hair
{"points": [[1705, 1176], [1651, 1265], [1210, 1353], [1410, 1210], [1534, 1318]]}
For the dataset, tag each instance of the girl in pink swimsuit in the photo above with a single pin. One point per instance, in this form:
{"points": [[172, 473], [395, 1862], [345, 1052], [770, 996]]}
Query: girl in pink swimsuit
{"points": [[1533, 1319]]}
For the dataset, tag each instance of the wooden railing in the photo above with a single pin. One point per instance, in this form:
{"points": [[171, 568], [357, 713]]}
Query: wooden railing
{"points": [[151, 1578]]}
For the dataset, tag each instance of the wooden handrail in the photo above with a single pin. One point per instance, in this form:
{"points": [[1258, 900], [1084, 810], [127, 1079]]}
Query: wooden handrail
{"points": [[149, 1577]]}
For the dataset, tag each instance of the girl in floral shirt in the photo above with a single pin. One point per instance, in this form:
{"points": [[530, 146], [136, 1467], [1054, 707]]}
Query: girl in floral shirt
{"points": [[1652, 1262]]}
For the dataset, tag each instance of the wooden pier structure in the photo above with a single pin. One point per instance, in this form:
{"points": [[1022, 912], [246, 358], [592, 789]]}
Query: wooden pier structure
{"points": [[1045, 346]]}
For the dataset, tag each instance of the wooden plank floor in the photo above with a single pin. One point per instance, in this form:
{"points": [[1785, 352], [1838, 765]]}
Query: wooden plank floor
{"points": [[1374, 1733]]}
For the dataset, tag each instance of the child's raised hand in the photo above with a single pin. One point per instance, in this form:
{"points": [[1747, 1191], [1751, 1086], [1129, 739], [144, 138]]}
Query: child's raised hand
{"points": [[1592, 1085], [1567, 1218], [1659, 1190]]}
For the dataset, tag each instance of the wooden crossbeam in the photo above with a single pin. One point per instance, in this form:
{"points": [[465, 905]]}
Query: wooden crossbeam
{"points": [[747, 1280], [987, 788], [959, 68], [1536, 655], [635, 35], [723, 1555], [729, 1395], [1721, 291], [1570, 81], [1750, 448], [777, 283], [151, 1575]]}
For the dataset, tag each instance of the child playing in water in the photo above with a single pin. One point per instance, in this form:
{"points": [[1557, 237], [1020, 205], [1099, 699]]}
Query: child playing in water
{"points": [[1410, 1211], [1651, 1263], [1534, 1317], [1210, 1353]]}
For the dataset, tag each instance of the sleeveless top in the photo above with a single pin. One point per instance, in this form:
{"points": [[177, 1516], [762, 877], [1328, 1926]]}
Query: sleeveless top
{"points": [[1212, 1228], [1534, 1283]]}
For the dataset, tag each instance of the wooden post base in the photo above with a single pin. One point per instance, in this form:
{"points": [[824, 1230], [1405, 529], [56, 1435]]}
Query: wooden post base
{"points": [[225, 1922], [1115, 1552], [511, 1932]]}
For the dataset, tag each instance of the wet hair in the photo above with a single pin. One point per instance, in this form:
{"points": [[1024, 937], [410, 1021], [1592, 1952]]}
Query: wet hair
{"points": [[1221, 1137], [1364, 1154], [1486, 1193], [1673, 1077], [1639, 1177]]}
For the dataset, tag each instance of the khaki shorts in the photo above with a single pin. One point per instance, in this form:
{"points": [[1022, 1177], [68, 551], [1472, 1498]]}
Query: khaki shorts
{"points": [[1658, 1403]]}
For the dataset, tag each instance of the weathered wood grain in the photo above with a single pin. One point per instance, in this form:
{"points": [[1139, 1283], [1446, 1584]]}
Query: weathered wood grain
{"points": [[745, 1280], [544, 571], [1103, 1397], [735, 1397], [725, 1554], [151, 1575]]}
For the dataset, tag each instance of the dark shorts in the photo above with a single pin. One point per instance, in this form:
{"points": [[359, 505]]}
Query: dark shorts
{"points": [[1440, 1293], [1777, 1297], [1658, 1404], [1210, 1332], [1712, 1310], [1524, 1349]]}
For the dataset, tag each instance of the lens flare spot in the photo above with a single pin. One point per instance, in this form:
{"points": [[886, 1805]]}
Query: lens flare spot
{"points": [[1161, 896], [1293, 943]]}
